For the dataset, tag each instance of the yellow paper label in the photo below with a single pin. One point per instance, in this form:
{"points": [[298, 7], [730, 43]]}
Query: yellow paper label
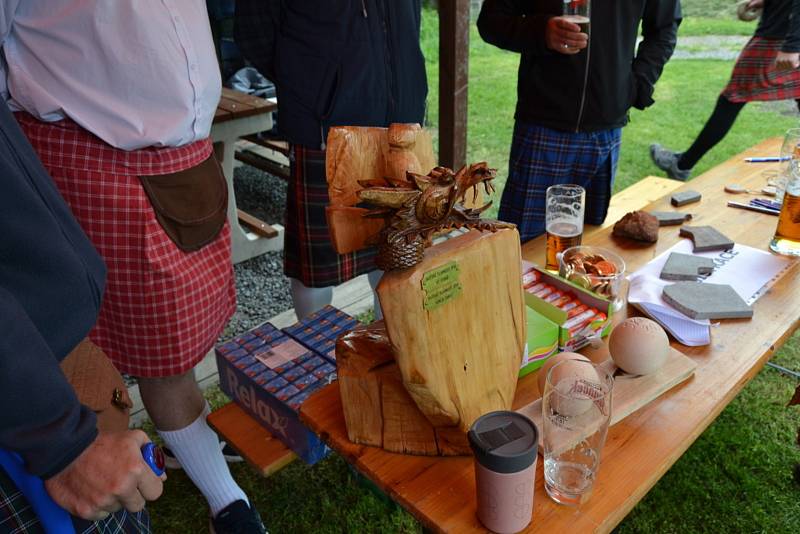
{"points": [[441, 285]]}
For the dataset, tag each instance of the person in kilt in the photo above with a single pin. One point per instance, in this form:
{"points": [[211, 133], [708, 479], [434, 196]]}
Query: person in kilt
{"points": [[574, 91], [51, 284], [334, 63], [117, 99], [767, 69]]}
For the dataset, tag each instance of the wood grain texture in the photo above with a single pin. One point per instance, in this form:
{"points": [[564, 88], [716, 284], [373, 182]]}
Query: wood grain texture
{"points": [[236, 105], [256, 225], [632, 392], [460, 360], [440, 492], [378, 410], [254, 442], [357, 153]]}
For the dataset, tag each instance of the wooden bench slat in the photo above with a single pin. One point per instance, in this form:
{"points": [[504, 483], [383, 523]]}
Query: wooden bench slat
{"points": [[256, 225], [256, 445]]}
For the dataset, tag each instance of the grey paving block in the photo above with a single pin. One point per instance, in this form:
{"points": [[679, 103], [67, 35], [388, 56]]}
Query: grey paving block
{"points": [[706, 301], [686, 267], [706, 238], [685, 197], [671, 218]]}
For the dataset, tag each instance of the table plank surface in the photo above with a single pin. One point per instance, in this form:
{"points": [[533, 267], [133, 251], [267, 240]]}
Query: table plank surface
{"points": [[440, 492], [236, 105]]}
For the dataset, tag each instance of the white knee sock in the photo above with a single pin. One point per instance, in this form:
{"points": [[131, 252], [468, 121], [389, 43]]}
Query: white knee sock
{"points": [[374, 277], [309, 299], [197, 449]]}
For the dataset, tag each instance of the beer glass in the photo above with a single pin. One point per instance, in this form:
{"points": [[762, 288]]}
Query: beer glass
{"points": [[787, 234], [576, 411], [790, 161], [578, 12], [563, 214]]}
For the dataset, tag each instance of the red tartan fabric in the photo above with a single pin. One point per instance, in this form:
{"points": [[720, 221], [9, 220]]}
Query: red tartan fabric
{"points": [[755, 77], [163, 308]]}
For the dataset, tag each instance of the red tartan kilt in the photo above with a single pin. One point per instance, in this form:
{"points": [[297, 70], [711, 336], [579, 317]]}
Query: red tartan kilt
{"points": [[755, 77], [163, 308]]}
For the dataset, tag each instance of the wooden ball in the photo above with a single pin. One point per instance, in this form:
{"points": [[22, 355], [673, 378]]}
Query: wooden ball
{"points": [[639, 346]]}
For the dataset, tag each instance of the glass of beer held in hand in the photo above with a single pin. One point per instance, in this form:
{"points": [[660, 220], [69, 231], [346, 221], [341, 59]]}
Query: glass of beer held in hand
{"points": [[564, 206], [578, 12]]}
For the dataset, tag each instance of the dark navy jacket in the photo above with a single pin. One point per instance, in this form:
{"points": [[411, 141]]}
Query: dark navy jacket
{"points": [[336, 62], [51, 282]]}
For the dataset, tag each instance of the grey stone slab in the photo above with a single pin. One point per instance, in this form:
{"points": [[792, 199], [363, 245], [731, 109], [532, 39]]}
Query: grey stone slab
{"points": [[686, 267], [706, 301], [685, 197], [706, 238], [671, 218]]}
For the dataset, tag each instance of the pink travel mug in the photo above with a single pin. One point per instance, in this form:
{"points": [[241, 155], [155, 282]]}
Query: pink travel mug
{"points": [[505, 446]]}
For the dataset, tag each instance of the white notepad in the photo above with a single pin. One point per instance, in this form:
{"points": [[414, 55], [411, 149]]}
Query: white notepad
{"points": [[748, 270]]}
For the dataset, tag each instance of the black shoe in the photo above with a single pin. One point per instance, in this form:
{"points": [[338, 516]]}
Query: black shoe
{"points": [[237, 518], [231, 456]]}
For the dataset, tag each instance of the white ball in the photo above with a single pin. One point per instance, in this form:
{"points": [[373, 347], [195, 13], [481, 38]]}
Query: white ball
{"points": [[639, 346]]}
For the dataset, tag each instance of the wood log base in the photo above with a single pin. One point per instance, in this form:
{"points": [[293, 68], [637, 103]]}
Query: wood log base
{"points": [[378, 409]]}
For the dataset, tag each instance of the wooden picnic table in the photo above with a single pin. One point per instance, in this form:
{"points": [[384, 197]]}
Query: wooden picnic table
{"points": [[239, 114], [440, 492]]}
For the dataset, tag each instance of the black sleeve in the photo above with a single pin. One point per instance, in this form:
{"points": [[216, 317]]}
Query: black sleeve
{"points": [[792, 41], [254, 31], [41, 418], [659, 34], [505, 24]]}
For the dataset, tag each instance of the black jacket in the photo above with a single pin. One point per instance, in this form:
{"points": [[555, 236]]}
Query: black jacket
{"points": [[336, 62], [594, 89], [781, 20], [51, 282]]}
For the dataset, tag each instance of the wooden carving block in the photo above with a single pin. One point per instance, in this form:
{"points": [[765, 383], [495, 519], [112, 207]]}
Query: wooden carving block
{"points": [[357, 153], [686, 267], [459, 343], [685, 197], [706, 238], [349, 229], [671, 218], [706, 301], [378, 410]]}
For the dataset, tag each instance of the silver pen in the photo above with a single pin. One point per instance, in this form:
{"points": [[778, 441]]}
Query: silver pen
{"points": [[759, 209]]}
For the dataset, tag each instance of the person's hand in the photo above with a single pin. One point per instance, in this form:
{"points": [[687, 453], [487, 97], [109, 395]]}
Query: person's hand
{"points": [[787, 60], [109, 475], [564, 36], [755, 4]]}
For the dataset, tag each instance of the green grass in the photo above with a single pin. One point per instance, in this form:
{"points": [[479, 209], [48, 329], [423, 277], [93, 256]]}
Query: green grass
{"points": [[735, 478]]}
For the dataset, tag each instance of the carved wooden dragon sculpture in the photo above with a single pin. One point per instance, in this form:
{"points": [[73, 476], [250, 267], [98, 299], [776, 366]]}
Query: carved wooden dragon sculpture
{"points": [[420, 207]]}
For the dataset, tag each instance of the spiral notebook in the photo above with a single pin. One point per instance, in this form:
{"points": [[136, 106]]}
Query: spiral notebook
{"points": [[748, 270]]}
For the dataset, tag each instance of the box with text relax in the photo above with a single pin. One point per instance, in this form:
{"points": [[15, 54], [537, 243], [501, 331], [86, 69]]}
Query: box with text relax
{"points": [[270, 373], [579, 314]]}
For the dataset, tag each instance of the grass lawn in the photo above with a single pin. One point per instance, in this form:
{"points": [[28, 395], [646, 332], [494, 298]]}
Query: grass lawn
{"points": [[737, 475]]}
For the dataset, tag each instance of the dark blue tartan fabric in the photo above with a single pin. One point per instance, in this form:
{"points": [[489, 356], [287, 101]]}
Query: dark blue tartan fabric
{"points": [[17, 516], [308, 254], [541, 157]]}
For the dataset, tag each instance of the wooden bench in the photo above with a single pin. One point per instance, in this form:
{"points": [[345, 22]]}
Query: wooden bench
{"points": [[238, 115], [267, 454]]}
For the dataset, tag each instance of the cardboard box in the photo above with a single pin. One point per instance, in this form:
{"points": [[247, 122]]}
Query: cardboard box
{"points": [[568, 338], [270, 373], [542, 342]]}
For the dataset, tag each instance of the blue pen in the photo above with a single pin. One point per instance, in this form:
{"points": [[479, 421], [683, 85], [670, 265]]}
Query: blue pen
{"points": [[767, 159]]}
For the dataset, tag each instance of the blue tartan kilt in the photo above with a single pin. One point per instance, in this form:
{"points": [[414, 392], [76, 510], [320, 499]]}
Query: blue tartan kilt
{"points": [[541, 157]]}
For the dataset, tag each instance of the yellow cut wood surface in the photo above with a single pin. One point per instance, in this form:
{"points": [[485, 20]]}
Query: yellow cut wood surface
{"points": [[460, 359]]}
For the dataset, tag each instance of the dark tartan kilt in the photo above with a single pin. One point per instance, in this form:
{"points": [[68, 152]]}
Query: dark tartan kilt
{"points": [[755, 77], [308, 253], [17, 516]]}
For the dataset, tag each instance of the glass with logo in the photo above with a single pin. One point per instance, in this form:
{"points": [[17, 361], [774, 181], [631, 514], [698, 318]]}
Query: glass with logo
{"points": [[564, 208]]}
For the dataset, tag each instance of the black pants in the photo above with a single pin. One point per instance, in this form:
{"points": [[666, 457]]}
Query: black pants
{"points": [[714, 131]]}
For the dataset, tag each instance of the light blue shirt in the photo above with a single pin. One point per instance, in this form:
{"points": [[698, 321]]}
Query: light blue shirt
{"points": [[135, 73]]}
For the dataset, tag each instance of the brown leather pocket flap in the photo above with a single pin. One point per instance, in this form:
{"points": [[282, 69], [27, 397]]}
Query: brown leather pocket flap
{"points": [[96, 381], [189, 197]]}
